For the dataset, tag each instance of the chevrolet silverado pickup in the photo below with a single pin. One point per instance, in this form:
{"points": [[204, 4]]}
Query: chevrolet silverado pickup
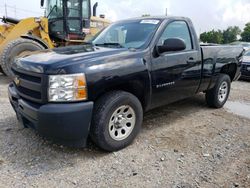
{"points": [[100, 90]]}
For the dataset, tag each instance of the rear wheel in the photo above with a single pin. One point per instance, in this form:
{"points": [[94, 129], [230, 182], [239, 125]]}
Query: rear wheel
{"points": [[14, 49], [117, 120], [217, 97]]}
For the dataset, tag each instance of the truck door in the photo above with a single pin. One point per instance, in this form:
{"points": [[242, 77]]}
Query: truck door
{"points": [[175, 75]]}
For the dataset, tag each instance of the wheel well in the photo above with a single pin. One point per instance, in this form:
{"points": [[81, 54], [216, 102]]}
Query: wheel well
{"points": [[230, 70], [137, 89]]}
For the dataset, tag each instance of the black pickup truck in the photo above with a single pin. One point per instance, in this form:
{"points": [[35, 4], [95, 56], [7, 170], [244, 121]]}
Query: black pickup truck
{"points": [[101, 89]]}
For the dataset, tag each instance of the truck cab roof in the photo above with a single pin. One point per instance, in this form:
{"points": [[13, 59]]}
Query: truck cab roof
{"points": [[162, 18]]}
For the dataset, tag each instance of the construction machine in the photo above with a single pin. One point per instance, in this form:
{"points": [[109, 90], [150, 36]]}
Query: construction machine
{"points": [[66, 22]]}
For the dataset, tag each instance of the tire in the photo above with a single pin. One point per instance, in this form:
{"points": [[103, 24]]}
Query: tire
{"points": [[14, 49], [217, 97], [106, 115]]}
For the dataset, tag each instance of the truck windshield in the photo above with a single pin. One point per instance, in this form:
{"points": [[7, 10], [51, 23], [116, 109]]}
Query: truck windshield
{"points": [[133, 34]]}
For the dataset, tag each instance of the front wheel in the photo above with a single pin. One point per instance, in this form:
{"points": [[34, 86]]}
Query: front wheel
{"points": [[117, 120], [217, 97]]}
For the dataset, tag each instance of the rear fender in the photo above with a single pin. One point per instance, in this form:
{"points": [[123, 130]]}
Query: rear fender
{"points": [[231, 70]]}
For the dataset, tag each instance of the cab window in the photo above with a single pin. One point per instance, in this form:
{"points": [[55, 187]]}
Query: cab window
{"points": [[85, 9], [177, 29], [54, 9], [73, 8]]}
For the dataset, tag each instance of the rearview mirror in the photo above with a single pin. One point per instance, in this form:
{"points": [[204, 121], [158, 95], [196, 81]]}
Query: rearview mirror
{"points": [[172, 44], [42, 3]]}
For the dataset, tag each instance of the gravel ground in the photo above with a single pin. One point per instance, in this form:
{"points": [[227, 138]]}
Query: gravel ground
{"points": [[181, 145]]}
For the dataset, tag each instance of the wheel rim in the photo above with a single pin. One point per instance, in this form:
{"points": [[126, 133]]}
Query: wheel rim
{"points": [[122, 123], [223, 91]]}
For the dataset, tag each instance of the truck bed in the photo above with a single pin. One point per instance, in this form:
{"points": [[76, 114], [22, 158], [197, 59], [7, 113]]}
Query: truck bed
{"points": [[214, 57]]}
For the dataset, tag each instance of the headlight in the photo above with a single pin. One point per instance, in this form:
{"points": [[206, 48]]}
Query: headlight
{"points": [[63, 88]]}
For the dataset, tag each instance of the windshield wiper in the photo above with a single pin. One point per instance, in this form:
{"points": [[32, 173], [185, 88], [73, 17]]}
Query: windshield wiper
{"points": [[54, 7], [110, 44]]}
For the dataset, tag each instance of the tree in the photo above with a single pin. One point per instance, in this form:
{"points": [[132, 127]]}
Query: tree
{"points": [[204, 37], [221, 37], [230, 34], [245, 35], [212, 37]]}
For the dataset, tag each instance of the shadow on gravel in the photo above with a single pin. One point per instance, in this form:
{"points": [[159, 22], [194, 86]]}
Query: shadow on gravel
{"points": [[4, 79], [244, 80], [168, 114], [24, 149]]}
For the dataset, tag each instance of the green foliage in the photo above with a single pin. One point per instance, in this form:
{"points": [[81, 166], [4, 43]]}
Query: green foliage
{"points": [[221, 37], [212, 37], [245, 35], [230, 34]]}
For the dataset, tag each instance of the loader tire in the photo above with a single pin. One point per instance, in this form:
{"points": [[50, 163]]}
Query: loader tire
{"points": [[14, 49]]}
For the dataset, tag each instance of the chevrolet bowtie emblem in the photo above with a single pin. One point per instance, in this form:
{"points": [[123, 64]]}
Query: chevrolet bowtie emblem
{"points": [[17, 81]]}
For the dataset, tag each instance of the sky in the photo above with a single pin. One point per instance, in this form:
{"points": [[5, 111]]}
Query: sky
{"points": [[205, 14]]}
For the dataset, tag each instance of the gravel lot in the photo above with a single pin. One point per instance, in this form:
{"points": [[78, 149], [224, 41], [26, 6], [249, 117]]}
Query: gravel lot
{"points": [[181, 145]]}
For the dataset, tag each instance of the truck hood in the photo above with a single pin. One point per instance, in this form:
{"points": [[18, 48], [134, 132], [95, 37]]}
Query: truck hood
{"points": [[54, 61]]}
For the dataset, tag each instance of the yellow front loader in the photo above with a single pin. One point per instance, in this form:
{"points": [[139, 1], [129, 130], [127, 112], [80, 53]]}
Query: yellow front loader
{"points": [[67, 22]]}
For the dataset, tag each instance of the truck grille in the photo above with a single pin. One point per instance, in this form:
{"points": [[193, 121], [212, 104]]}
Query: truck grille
{"points": [[29, 85]]}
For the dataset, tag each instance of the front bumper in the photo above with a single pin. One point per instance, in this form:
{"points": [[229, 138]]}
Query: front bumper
{"points": [[66, 124]]}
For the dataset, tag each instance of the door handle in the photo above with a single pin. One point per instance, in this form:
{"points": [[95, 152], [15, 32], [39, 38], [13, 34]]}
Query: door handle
{"points": [[191, 60]]}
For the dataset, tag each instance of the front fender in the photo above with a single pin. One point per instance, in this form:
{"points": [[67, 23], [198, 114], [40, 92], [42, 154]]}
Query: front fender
{"points": [[128, 74]]}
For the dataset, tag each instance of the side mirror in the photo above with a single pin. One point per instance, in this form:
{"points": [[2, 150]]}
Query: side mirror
{"points": [[172, 44], [42, 3]]}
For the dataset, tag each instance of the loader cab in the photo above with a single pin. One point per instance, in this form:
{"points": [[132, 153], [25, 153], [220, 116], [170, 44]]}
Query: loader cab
{"points": [[68, 19]]}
